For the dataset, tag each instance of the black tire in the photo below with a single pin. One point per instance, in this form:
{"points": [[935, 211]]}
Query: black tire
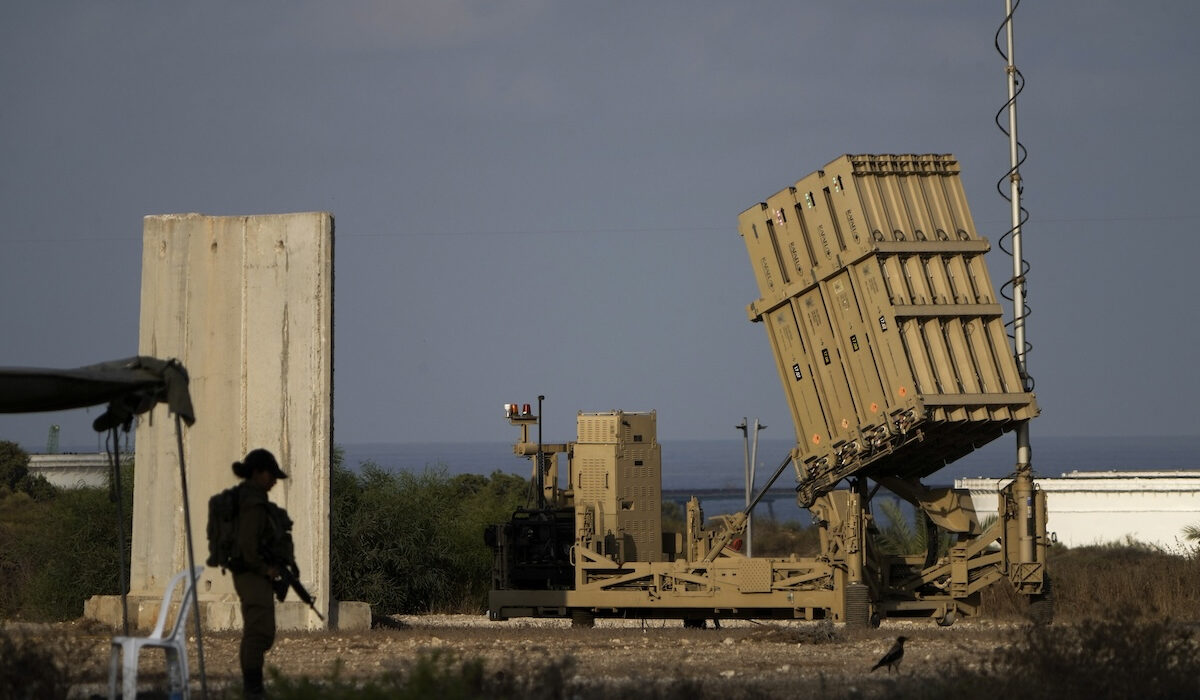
{"points": [[933, 540], [948, 619], [1041, 605]]}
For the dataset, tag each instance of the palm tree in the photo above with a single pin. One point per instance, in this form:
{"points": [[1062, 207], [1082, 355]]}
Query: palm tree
{"points": [[1191, 533], [902, 535], [898, 536]]}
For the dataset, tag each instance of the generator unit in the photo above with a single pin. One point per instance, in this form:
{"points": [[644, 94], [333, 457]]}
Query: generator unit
{"points": [[618, 488]]}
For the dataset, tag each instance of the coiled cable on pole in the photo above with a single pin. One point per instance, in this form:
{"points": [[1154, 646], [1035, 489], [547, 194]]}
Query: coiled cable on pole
{"points": [[1014, 290]]}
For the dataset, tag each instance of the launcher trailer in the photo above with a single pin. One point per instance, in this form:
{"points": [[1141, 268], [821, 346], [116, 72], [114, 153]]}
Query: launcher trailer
{"points": [[890, 343]]}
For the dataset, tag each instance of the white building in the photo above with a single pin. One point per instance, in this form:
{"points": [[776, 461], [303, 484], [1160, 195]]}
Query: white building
{"points": [[1086, 508], [70, 471]]}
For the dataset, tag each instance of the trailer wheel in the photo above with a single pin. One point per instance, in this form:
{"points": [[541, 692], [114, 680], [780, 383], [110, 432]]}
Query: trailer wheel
{"points": [[1041, 605], [933, 540], [583, 618], [947, 619]]}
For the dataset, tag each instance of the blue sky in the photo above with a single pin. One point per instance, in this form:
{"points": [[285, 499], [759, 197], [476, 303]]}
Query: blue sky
{"points": [[541, 197]]}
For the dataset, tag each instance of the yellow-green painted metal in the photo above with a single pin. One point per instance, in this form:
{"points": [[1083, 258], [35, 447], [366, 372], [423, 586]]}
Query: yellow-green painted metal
{"points": [[889, 339], [618, 472], [886, 329], [612, 479]]}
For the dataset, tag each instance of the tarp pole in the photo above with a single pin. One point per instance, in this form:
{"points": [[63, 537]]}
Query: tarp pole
{"points": [[187, 522], [114, 457]]}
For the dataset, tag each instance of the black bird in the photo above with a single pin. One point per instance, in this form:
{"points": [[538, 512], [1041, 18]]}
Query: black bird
{"points": [[893, 657]]}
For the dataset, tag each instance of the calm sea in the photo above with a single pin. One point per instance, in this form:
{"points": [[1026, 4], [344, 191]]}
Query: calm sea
{"points": [[717, 464]]}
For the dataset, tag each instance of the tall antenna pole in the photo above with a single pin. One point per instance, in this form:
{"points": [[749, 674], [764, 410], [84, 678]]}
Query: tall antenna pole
{"points": [[1024, 490], [1014, 189]]}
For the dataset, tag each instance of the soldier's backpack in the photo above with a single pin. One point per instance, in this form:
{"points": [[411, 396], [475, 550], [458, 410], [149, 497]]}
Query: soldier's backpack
{"points": [[277, 546], [223, 510]]}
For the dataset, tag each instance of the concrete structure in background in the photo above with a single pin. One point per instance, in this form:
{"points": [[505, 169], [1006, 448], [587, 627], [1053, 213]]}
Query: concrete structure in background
{"points": [[72, 470], [1087, 508], [246, 304]]}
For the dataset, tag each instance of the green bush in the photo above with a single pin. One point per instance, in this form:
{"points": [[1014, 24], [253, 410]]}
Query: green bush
{"points": [[57, 552], [14, 464], [413, 542], [400, 541], [15, 476]]}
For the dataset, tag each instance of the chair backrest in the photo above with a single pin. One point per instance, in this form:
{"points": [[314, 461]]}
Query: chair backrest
{"points": [[185, 605]]}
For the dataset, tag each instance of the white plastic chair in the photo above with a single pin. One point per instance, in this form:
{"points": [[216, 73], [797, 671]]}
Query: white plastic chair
{"points": [[173, 644]]}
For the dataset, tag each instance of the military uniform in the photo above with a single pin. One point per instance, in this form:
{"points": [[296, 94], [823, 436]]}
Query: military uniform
{"points": [[253, 584]]}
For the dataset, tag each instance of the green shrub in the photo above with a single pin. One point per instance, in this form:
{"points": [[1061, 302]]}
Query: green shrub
{"points": [[57, 552], [402, 542], [15, 476], [14, 464], [413, 542], [674, 517]]}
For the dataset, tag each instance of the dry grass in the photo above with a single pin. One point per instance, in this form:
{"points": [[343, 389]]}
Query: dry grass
{"points": [[1095, 582], [1101, 582], [1129, 580]]}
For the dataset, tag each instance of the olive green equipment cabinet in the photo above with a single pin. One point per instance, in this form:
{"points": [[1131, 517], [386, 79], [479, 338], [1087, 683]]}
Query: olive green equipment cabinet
{"points": [[890, 343]]}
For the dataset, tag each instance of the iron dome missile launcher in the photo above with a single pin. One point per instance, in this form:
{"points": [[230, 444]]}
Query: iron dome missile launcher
{"points": [[890, 343]]}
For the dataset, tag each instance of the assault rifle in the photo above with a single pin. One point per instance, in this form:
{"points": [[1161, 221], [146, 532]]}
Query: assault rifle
{"points": [[289, 577]]}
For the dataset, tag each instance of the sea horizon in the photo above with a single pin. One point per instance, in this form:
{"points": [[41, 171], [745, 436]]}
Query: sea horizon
{"points": [[710, 464], [721, 463]]}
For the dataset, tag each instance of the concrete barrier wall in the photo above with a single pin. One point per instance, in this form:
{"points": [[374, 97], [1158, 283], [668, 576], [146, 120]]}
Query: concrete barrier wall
{"points": [[246, 303]]}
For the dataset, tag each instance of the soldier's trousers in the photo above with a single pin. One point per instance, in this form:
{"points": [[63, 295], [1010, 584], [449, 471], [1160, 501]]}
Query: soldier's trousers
{"points": [[258, 618]]}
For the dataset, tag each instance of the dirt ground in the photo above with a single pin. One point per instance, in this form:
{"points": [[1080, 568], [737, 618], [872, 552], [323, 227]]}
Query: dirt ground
{"points": [[632, 658]]}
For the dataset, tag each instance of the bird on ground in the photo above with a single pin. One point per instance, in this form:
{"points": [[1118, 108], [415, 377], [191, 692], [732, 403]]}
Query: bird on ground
{"points": [[892, 658]]}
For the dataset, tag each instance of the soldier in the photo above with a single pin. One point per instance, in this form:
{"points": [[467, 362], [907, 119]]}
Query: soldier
{"points": [[253, 579]]}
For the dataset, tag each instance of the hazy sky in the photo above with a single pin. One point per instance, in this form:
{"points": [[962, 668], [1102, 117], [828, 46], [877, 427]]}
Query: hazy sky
{"points": [[541, 197]]}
